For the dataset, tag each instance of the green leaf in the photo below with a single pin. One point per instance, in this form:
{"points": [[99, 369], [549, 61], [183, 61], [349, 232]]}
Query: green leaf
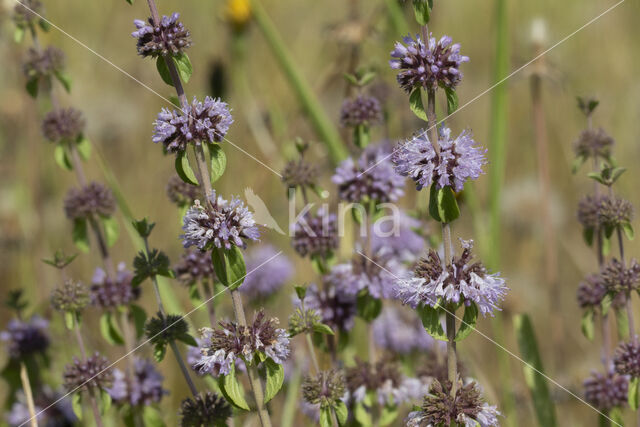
{"points": [[616, 416], [229, 266], [361, 414], [431, 321], [301, 291], [188, 340], [111, 229], [544, 407], [468, 323], [452, 100], [69, 320], [322, 328], [232, 390], [342, 413], [415, 103], [110, 329], [351, 79], [79, 235], [274, 378], [129, 1], [622, 323], [44, 25], [218, 161], [139, 318], [76, 405], [443, 206], [60, 155], [368, 307], [159, 351], [633, 395], [175, 101], [361, 136], [105, 401], [163, 70], [183, 64], [628, 230], [587, 234], [605, 305], [84, 148], [422, 11], [606, 246], [318, 264], [588, 324], [183, 169], [194, 295], [357, 214], [151, 417], [64, 79], [32, 87], [18, 34], [577, 163], [388, 415], [325, 417]]}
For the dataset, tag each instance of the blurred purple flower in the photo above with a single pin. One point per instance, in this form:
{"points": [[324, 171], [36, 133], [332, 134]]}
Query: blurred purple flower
{"points": [[402, 242], [337, 308], [399, 332], [26, 338], [107, 293], [361, 110], [316, 234], [143, 388], [266, 272]]}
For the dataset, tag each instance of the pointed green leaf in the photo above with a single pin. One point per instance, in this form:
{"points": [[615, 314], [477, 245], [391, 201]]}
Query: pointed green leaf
{"points": [[218, 161], [76, 405], [151, 417], [588, 324], [537, 383], [163, 70], [361, 414], [368, 307], [388, 415], [443, 206], [468, 323], [431, 321], [64, 79], [342, 412], [229, 266], [274, 379], [159, 351], [60, 155], [628, 230], [79, 235], [361, 136], [325, 417], [188, 340], [416, 105], [622, 323], [587, 234], [183, 64], [111, 229], [139, 318], [84, 148], [110, 329], [105, 401], [69, 320], [232, 390], [577, 163], [183, 169], [18, 34], [452, 100], [129, 1], [605, 305], [422, 11], [634, 382], [321, 328], [32, 87]]}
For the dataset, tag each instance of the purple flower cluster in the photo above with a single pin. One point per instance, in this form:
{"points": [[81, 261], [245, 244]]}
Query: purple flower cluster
{"points": [[371, 178], [194, 266], [95, 372], [437, 64], [143, 388], [168, 37], [461, 282], [182, 193], [398, 237], [58, 410], [199, 122], [627, 359], [108, 293], [361, 110], [267, 271], [316, 234], [63, 125], [43, 63], [606, 391], [400, 332], [336, 307], [92, 199], [25, 338], [219, 223], [459, 160]]}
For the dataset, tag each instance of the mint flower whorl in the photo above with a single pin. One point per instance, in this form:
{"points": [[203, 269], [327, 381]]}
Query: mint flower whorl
{"points": [[336, 307], [71, 297], [92, 374], [168, 37], [92, 199], [43, 64], [325, 389], [593, 144], [460, 282], [199, 122], [398, 332], [268, 272], [298, 173], [590, 292], [606, 391], [459, 160], [382, 378], [108, 293], [143, 388], [24, 339], [626, 359], [437, 64], [371, 178], [182, 193], [402, 242], [206, 409], [63, 125], [617, 278], [59, 411], [588, 212], [614, 212], [233, 341], [316, 234], [466, 408], [361, 110], [23, 16], [220, 224], [194, 266]]}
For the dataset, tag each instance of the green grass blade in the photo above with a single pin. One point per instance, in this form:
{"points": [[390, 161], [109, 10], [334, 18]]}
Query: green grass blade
{"points": [[397, 17], [544, 407], [321, 122]]}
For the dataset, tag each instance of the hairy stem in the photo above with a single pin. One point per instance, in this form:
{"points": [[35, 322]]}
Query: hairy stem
{"points": [[26, 387], [312, 353]]}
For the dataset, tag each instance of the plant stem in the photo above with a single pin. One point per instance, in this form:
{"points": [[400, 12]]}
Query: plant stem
{"points": [[254, 379], [312, 353], [83, 352], [26, 387]]}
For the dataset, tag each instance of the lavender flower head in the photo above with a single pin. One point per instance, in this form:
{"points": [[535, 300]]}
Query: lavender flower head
{"points": [[44, 63], [336, 307], [626, 359], [267, 271], [71, 297], [233, 341], [220, 224], [618, 277], [606, 391], [92, 199], [325, 389], [194, 266], [437, 64], [143, 388], [58, 410], [399, 237], [459, 160], [182, 193], [360, 111], [205, 409], [460, 282], [25, 338], [593, 143], [24, 13], [398, 332], [207, 121], [108, 293], [93, 373], [168, 37], [316, 234], [63, 125], [590, 292], [371, 178], [194, 355]]}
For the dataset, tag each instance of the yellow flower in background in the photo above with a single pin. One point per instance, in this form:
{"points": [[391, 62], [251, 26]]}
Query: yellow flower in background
{"points": [[238, 12]]}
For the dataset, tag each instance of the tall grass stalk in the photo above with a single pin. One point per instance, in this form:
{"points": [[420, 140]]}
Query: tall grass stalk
{"points": [[28, 393], [321, 122]]}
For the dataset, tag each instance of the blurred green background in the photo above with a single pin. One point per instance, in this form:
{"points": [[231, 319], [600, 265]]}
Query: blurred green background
{"points": [[600, 60]]}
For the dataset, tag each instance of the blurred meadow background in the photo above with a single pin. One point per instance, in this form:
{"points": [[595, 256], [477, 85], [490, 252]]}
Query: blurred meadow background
{"points": [[325, 39]]}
